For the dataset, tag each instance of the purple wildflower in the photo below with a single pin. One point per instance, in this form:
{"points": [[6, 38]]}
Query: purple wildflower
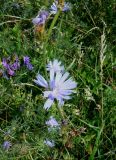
{"points": [[29, 66], [10, 72], [49, 143], [59, 88], [4, 63], [16, 64], [6, 145], [41, 18], [11, 68], [52, 122], [26, 60]]}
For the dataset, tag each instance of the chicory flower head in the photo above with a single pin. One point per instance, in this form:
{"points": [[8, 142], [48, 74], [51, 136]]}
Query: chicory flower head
{"points": [[6, 145], [54, 7], [52, 122], [49, 143], [41, 18], [59, 87]]}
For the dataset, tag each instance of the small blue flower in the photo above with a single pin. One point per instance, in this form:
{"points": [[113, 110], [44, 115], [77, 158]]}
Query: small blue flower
{"points": [[52, 122], [54, 7], [49, 143], [41, 18], [66, 7], [6, 145]]}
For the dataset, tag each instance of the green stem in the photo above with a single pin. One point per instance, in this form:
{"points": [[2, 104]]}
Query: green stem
{"points": [[52, 26], [47, 38], [96, 144], [61, 112], [91, 126]]}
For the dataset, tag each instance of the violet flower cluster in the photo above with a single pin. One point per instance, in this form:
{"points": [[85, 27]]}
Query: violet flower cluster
{"points": [[11, 67]]}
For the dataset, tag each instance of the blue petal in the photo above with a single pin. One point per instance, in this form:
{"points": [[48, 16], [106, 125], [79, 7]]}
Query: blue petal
{"points": [[41, 81], [57, 78], [64, 77], [52, 75], [48, 104]]}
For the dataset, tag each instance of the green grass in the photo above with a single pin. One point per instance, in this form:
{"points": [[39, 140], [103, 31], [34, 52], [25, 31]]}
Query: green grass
{"points": [[84, 40]]}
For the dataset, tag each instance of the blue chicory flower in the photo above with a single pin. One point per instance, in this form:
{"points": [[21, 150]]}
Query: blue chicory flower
{"points": [[66, 7], [6, 145], [54, 7], [59, 88], [49, 143], [52, 122], [41, 18]]}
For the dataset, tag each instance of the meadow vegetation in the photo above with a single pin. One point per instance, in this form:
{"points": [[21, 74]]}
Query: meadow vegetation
{"points": [[82, 38]]}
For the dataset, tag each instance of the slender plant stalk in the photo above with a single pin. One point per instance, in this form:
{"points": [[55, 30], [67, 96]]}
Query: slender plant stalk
{"points": [[47, 38], [61, 112], [96, 143], [52, 26], [102, 58]]}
